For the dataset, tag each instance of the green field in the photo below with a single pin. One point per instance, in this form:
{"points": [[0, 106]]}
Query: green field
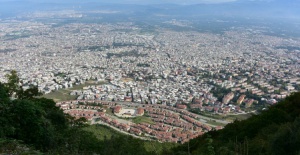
{"points": [[103, 132], [109, 111], [142, 119], [60, 95], [64, 94], [157, 147], [238, 117], [215, 123], [229, 118]]}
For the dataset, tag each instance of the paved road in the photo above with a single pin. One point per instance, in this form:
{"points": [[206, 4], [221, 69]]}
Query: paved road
{"points": [[103, 123], [213, 119]]}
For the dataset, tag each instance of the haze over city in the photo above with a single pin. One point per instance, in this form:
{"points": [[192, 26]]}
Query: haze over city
{"points": [[162, 71]]}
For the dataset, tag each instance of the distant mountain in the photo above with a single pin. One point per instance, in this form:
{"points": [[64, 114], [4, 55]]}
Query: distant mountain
{"points": [[239, 8]]}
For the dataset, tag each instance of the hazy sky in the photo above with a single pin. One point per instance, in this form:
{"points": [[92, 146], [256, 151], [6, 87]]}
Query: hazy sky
{"points": [[171, 1], [144, 1]]}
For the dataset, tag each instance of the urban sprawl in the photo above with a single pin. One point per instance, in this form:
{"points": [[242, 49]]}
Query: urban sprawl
{"points": [[169, 76]]}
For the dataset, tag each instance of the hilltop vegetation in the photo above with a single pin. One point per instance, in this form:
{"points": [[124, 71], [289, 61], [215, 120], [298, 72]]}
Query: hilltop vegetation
{"points": [[31, 125]]}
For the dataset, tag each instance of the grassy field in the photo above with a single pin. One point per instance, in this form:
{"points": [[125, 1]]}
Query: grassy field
{"points": [[88, 83], [238, 117], [158, 147], [60, 95], [138, 119], [102, 131], [226, 117], [64, 94], [109, 111], [142, 119], [215, 123]]}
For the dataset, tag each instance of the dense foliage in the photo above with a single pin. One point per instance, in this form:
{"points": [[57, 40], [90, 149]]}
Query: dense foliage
{"points": [[38, 123]]}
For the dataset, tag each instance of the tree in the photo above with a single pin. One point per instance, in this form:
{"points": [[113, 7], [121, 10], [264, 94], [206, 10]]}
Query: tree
{"points": [[3, 93], [210, 148], [14, 90], [12, 84], [287, 139], [30, 93], [5, 127]]}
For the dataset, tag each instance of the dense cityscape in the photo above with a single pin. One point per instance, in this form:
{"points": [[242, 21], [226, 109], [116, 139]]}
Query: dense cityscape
{"points": [[187, 73], [141, 77]]}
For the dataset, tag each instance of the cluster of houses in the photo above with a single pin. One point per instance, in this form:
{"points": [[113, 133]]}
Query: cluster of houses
{"points": [[160, 131], [176, 120], [170, 124], [212, 106], [88, 114]]}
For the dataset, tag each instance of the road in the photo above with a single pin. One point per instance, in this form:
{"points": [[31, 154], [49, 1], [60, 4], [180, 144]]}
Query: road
{"points": [[103, 123], [200, 116]]}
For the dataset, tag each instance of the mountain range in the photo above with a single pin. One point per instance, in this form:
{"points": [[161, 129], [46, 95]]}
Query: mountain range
{"points": [[224, 8]]}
